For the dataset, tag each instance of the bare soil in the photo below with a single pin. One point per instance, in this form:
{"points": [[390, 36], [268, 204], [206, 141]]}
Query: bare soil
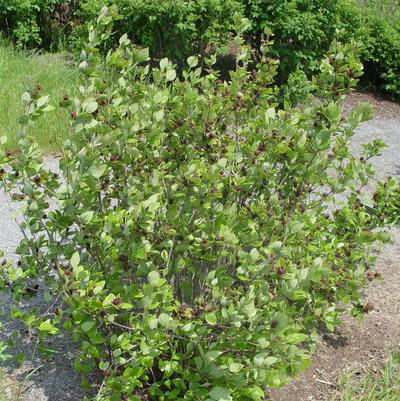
{"points": [[383, 107]]}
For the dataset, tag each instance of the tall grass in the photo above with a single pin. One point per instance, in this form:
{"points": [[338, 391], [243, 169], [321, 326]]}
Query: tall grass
{"points": [[21, 70], [385, 8], [378, 384]]}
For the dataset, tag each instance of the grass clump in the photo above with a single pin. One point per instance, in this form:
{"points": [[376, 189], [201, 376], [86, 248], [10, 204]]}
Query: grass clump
{"points": [[22, 70], [10, 390], [379, 384]]}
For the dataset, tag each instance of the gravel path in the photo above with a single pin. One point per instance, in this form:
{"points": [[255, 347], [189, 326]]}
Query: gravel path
{"points": [[42, 379], [388, 164], [55, 379]]}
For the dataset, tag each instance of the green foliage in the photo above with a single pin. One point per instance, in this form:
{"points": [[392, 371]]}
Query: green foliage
{"points": [[298, 89], [194, 241], [387, 199], [387, 8], [37, 23], [303, 29], [380, 37], [172, 28]]}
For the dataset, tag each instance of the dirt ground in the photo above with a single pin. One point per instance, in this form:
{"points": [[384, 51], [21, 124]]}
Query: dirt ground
{"points": [[383, 107]]}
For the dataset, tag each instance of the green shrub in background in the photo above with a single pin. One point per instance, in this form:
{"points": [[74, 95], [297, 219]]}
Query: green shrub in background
{"points": [[376, 26], [37, 23], [303, 29], [172, 28], [380, 38], [192, 242]]}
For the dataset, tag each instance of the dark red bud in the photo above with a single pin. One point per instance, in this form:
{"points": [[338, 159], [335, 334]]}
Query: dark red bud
{"points": [[116, 301]]}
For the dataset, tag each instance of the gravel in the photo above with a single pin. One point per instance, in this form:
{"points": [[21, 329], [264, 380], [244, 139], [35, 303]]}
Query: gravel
{"points": [[54, 379], [42, 379], [388, 164]]}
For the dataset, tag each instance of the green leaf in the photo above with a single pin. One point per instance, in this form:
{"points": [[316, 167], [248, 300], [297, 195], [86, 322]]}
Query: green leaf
{"points": [[103, 365], [108, 300], [48, 327], [99, 287], [47, 296], [211, 318], [302, 141], [270, 114], [235, 367], [26, 97], [276, 246], [212, 355], [222, 162], [257, 393], [228, 235], [263, 343], [87, 326], [86, 217], [296, 338], [220, 394], [153, 277], [158, 115], [140, 252], [164, 63], [171, 75], [383, 237], [263, 359], [97, 170], [254, 255], [192, 61], [42, 101], [48, 108], [317, 264], [164, 320], [75, 259]]}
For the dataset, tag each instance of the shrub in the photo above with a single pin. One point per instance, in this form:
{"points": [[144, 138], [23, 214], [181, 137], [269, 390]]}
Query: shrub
{"points": [[375, 27], [173, 28], [193, 242], [298, 89], [303, 29], [381, 52], [37, 23]]}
